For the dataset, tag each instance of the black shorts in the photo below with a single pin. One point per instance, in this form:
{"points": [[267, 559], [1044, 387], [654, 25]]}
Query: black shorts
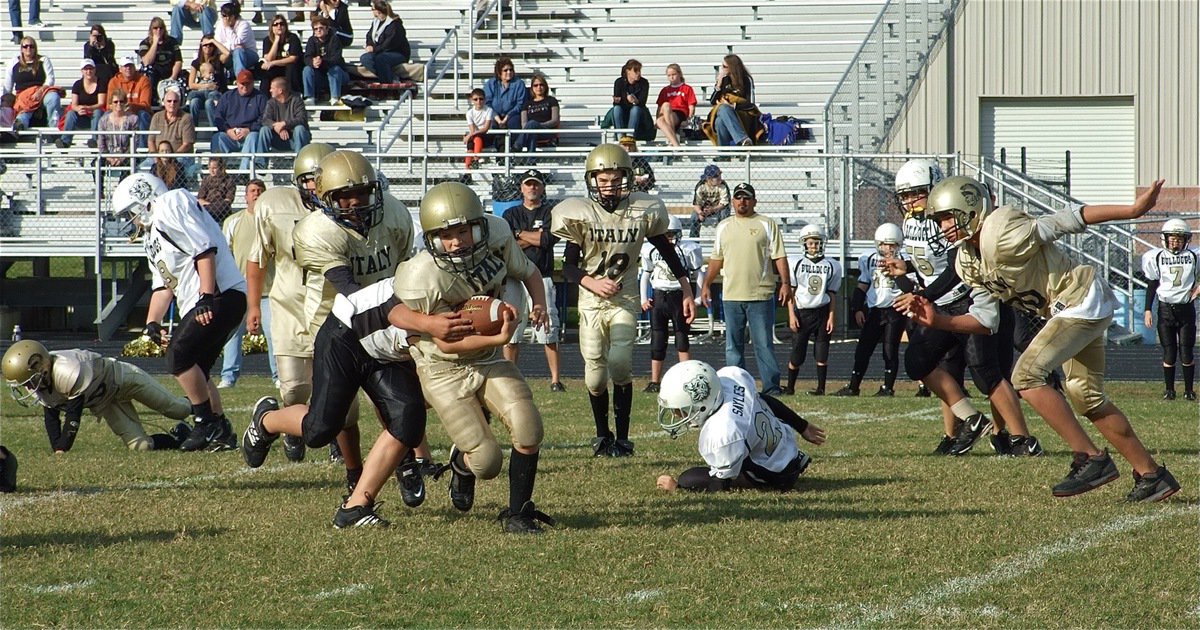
{"points": [[340, 368], [931, 348], [193, 344]]}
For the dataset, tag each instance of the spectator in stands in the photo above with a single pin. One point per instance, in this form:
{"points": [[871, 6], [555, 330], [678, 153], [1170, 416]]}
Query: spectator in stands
{"points": [[31, 78], [284, 122], [710, 198], [734, 119], [235, 41], [161, 58], [323, 63], [100, 49], [239, 118], [216, 190], [539, 112], [479, 121], [206, 81], [137, 89], [202, 13], [87, 103], [630, 92], [505, 94], [115, 127], [643, 175], [387, 43], [167, 168], [14, 16], [176, 128], [338, 13], [8, 116], [282, 56], [676, 103]]}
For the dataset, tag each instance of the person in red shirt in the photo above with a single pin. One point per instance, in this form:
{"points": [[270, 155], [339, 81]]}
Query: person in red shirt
{"points": [[676, 103]]}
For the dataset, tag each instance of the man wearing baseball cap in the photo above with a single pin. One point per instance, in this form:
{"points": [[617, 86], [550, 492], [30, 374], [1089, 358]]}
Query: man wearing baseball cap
{"points": [[530, 223], [238, 119], [743, 245], [137, 86]]}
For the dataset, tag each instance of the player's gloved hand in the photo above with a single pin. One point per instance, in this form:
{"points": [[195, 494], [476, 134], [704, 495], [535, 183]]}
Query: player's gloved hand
{"points": [[206, 308], [154, 331]]}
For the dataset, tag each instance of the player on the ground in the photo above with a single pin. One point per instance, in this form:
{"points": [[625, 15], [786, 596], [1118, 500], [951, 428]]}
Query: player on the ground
{"points": [[746, 438], [470, 253], [604, 235], [190, 263], [65, 382], [1172, 271], [816, 280], [1013, 255], [663, 297]]}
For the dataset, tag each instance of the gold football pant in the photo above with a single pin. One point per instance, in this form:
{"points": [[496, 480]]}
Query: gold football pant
{"points": [[135, 384], [606, 337], [1078, 346]]}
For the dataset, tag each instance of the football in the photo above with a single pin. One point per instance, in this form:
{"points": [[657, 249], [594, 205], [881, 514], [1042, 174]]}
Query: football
{"points": [[485, 313]]}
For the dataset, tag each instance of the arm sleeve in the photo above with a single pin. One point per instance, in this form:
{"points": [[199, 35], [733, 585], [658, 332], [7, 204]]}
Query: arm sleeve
{"points": [[669, 255], [70, 428], [858, 301], [1151, 292], [946, 281], [53, 430], [785, 413], [571, 270], [342, 279]]}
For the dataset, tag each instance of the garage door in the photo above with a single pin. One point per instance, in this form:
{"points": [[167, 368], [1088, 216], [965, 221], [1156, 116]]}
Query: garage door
{"points": [[1099, 133]]}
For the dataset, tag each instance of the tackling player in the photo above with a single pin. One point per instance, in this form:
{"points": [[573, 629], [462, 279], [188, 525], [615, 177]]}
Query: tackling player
{"points": [[746, 438], [1172, 272], [1013, 255], [190, 263], [604, 236], [815, 280]]}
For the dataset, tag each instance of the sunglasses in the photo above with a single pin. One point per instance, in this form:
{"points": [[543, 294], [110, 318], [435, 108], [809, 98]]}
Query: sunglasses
{"points": [[29, 46], [117, 102]]}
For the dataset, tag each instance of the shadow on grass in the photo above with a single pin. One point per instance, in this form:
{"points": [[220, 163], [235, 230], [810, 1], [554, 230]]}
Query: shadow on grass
{"points": [[735, 508], [96, 539]]}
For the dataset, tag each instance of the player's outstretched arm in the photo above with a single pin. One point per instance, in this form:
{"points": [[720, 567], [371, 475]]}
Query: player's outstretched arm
{"points": [[1143, 204]]}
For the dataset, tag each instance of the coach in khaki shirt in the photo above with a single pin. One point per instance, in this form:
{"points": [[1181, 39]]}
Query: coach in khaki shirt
{"points": [[746, 247], [241, 231]]}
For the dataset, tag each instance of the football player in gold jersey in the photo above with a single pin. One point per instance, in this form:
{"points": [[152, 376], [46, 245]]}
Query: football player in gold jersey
{"points": [[470, 253], [1013, 255], [604, 236]]}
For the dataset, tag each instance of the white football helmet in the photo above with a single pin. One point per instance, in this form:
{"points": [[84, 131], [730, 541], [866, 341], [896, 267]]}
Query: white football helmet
{"points": [[812, 232], [690, 392], [131, 201], [919, 175], [888, 234], [1176, 227], [674, 225]]}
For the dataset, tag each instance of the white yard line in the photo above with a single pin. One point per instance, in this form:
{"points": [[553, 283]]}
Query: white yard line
{"points": [[1014, 567], [345, 591], [62, 588]]}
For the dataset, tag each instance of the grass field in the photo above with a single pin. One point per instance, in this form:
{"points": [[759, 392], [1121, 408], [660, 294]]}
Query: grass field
{"points": [[878, 534]]}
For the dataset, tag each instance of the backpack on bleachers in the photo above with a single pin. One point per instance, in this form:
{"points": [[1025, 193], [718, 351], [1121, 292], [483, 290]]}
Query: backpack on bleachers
{"points": [[784, 130]]}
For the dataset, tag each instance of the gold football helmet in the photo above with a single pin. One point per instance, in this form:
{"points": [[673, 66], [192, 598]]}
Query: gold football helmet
{"points": [[341, 176], [448, 205], [27, 370], [609, 157], [307, 161], [964, 198]]}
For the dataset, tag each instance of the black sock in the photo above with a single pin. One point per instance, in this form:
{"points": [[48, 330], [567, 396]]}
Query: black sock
{"points": [[889, 379], [792, 372], [1189, 377], [622, 407], [522, 471], [822, 370], [600, 413], [1169, 377], [163, 442], [353, 475], [203, 412], [855, 380]]}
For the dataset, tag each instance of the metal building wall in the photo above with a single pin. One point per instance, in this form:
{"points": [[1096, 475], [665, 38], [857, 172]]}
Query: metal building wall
{"points": [[1147, 49]]}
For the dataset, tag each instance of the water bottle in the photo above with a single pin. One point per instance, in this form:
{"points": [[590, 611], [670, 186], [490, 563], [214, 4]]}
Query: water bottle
{"points": [[16, 333]]}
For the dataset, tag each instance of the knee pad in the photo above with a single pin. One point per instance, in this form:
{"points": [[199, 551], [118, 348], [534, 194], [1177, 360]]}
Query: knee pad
{"points": [[486, 459], [525, 424], [294, 393], [1028, 374], [143, 443]]}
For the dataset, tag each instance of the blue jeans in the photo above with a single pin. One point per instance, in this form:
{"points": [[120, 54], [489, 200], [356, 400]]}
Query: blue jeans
{"points": [[206, 99], [77, 121], [243, 59], [222, 143], [181, 16], [381, 64], [53, 104], [316, 80], [528, 141], [627, 117], [231, 359], [729, 128], [760, 316], [269, 141], [14, 13]]}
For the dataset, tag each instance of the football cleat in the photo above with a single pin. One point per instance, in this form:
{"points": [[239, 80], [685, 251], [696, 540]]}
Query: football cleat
{"points": [[359, 516], [412, 485], [525, 521], [428, 467], [462, 482], [294, 448], [1148, 489], [199, 436], [622, 448], [787, 390], [885, 392], [943, 447], [974, 426], [335, 453], [923, 392], [1002, 442], [602, 446], [651, 388], [256, 441], [1087, 473], [557, 387], [820, 391], [1025, 446], [180, 432], [1189, 395], [846, 391], [224, 439], [8, 471], [1169, 394]]}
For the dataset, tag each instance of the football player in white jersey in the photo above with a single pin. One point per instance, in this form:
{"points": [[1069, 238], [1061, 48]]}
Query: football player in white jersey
{"points": [[1013, 255], [662, 297], [470, 253], [877, 321], [815, 280], [604, 236], [272, 256], [190, 263], [746, 438], [65, 382], [1172, 272]]}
